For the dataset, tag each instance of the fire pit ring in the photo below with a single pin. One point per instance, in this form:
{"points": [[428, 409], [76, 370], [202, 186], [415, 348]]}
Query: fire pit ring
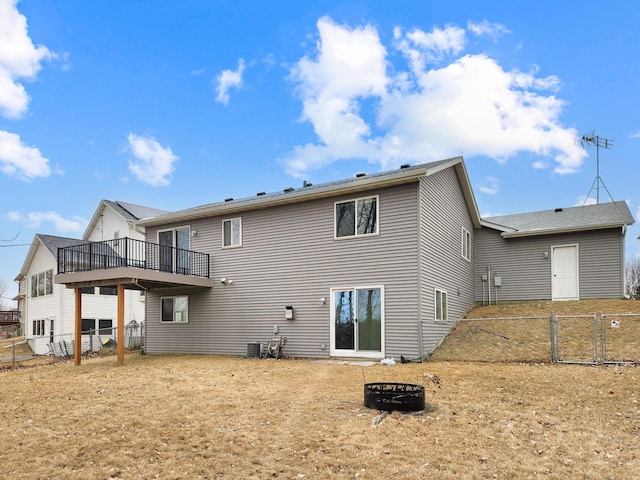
{"points": [[388, 397]]}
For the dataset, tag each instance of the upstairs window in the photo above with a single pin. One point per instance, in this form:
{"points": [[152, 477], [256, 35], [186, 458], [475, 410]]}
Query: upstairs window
{"points": [[466, 244], [232, 232], [356, 217], [42, 284]]}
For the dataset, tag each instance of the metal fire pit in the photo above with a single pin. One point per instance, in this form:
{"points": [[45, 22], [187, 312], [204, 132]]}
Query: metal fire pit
{"points": [[401, 397]]}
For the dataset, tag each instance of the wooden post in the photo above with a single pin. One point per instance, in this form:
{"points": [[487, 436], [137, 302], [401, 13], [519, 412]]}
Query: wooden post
{"points": [[120, 335], [77, 347]]}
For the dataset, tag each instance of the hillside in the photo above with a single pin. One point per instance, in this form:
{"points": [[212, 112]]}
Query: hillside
{"points": [[529, 340]]}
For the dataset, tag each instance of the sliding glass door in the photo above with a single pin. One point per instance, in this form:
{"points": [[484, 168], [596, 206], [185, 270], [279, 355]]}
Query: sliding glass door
{"points": [[357, 322]]}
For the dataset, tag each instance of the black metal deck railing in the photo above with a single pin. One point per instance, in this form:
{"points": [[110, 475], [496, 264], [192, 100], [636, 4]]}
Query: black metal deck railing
{"points": [[128, 252]]}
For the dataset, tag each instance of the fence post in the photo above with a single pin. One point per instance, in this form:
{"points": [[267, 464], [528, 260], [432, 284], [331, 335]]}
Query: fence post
{"points": [[552, 339]]}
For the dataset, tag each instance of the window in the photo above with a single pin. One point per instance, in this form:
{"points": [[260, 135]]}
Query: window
{"points": [[232, 232], [88, 290], [175, 310], [108, 290], [357, 217], [105, 327], [38, 328], [42, 284], [466, 244], [441, 305], [88, 326]]}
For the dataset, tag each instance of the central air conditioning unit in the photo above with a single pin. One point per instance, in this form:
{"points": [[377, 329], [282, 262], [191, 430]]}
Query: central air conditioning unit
{"points": [[254, 350]]}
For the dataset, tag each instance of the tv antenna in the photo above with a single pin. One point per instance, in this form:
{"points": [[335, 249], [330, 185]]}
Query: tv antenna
{"points": [[589, 140]]}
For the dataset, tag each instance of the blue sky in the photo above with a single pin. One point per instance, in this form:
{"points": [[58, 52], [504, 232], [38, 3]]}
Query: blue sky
{"points": [[173, 104]]}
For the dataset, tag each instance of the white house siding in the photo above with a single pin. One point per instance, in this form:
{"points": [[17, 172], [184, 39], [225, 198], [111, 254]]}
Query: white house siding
{"points": [[443, 214], [43, 307], [289, 257], [526, 273], [111, 225]]}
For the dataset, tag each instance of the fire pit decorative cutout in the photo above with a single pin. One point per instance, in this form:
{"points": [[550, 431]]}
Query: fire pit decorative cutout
{"points": [[388, 397]]}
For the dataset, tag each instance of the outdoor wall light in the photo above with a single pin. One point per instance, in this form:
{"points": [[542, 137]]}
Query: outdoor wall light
{"points": [[194, 233], [226, 281], [323, 300], [546, 254]]}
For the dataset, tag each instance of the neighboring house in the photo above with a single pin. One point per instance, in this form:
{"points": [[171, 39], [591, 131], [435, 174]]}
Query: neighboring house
{"points": [[375, 266], [47, 309]]}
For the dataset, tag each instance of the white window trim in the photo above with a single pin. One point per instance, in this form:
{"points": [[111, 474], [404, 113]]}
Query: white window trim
{"points": [[356, 234], [36, 275], [239, 244], [435, 305], [466, 241], [173, 322], [357, 353]]}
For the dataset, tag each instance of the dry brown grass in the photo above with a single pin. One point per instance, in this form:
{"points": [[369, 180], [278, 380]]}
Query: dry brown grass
{"points": [[529, 339], [207, 417]]}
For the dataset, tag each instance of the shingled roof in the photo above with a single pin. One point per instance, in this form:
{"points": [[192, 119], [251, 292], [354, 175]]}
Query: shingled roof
{"points": [[561, 220]]}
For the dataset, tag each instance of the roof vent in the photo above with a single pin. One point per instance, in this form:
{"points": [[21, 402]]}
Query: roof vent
{"points": [[306, 184], [230, 199], [361, 174], [405, 165], [287, 190], [558, 210], [260, 194]]}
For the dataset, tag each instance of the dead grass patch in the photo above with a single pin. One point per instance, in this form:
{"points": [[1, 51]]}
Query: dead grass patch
{"points": [[208, 417], [217, 417], [527, 339]]}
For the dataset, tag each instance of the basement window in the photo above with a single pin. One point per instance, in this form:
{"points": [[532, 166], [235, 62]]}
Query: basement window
{"points": [[441, 305], [175, 310]]}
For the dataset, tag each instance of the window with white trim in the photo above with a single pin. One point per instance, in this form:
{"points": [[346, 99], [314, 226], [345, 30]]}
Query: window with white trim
{"points": [[441, 305], [356, 217], [42, 284], [466, 244], [232, 232], [38, 327], [175, 309]]}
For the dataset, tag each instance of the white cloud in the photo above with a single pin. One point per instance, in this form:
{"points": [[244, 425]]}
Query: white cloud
{"points": [[485, 28], [228, 79], [489, 185], [635, 135], [36, 219], [20, 160], [470, 106], [153, 163], [421, 47], [19, 59]]}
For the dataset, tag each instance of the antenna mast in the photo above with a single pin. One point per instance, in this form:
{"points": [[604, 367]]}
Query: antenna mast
{"points": [[598, 183]]}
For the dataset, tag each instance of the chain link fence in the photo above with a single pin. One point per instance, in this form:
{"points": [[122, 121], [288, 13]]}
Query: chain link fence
{"points": [[576, 339]]}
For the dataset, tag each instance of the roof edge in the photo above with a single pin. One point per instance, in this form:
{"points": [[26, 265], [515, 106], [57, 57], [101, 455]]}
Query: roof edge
{"points": [[392, 178]]}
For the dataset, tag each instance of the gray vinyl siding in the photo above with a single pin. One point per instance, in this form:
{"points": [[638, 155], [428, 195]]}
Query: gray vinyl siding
{"points": [[526, 273], [443, 214], [289, 257]]}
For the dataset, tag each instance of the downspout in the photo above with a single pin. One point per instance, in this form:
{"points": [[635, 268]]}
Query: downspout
{"points": [[489, 282]]}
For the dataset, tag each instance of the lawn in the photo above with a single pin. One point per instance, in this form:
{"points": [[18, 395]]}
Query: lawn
{"points": [[208, 417]]}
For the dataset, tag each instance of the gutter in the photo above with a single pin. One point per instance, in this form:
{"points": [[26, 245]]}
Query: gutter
{"points": [[550, 231]]}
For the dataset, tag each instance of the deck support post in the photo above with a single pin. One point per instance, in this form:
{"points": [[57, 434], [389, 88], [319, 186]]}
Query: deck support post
{"points": [[120, 341], [77, 345]]}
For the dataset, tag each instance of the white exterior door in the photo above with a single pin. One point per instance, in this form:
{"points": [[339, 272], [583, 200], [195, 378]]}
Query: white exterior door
{"points": [[564, 274]]}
